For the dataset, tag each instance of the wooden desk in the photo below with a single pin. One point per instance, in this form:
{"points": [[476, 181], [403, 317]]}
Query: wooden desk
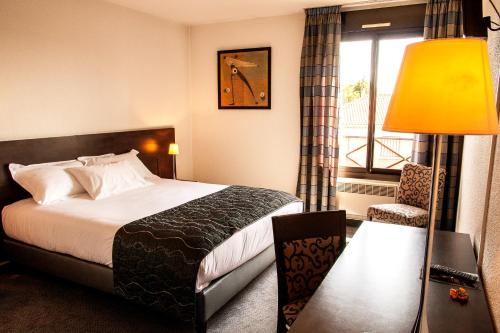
{"points": [[374, 286]]}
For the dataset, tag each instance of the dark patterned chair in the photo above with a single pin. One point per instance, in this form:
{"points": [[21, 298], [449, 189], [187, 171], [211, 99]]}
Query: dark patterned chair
{"points": [[306, 247], [412, 199]]}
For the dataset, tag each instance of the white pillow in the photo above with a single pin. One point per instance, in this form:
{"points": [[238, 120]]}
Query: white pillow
{"points": [[15, 166], [101, 181], [131, 156], [47, 182], [86, 158]]}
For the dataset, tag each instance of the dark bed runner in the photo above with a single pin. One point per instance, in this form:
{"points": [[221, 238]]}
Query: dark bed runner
{"points": [[156, 259]]}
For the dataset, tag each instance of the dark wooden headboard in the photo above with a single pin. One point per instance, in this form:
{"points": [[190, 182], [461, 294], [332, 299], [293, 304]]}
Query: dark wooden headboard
{"points": [[152, 145]]}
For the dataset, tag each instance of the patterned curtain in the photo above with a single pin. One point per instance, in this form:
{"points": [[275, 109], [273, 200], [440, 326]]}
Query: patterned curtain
{"points": [[318, 104], [443, 19]]}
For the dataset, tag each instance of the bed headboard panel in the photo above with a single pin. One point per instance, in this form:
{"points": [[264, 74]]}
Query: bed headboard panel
{"points": [[152, 145]]}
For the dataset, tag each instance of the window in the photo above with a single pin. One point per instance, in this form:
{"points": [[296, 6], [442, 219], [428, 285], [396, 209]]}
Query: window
{"points": [[391, 150], [369, 66]]}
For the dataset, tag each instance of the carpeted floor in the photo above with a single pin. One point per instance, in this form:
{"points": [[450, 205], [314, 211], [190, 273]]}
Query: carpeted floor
{"points": [[33, 302]]}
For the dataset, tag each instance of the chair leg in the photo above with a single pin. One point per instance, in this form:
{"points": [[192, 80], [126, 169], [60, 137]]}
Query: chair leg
{"points": [[281, 324]]}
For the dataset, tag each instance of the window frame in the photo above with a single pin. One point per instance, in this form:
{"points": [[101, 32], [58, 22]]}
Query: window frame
{"points": [[369, 172]]}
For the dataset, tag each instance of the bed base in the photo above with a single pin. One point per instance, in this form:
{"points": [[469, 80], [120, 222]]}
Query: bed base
{"points": [[100, 277]]}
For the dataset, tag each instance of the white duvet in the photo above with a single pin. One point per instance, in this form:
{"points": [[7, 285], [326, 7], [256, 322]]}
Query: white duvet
{"points": [[85, 228]]}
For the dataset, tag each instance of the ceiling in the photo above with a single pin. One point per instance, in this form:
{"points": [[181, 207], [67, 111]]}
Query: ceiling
{"points": [[195, 12]]}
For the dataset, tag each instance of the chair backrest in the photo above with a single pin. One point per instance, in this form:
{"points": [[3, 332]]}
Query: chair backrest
{"points": [[306, 247], [415, 184]]}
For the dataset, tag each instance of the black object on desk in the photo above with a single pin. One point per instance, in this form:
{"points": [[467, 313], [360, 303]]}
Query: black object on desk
{"points": [[375, 285], [445, 274]]}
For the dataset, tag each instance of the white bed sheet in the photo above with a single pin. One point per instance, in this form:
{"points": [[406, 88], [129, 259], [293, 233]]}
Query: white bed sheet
{"points": [[85, 228]]}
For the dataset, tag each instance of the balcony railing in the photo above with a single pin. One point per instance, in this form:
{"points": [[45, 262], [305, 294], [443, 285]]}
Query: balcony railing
{"points": [[389, 152]]}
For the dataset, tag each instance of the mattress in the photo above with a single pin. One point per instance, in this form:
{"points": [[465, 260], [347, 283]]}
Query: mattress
{"points": [[85, 228]]}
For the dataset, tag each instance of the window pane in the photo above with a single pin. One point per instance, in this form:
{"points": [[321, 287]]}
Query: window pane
{"points": [[355, 63], [391, 150]]}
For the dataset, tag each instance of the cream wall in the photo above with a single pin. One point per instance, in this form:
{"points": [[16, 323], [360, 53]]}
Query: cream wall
{"points": [[86, 66], [250, 147]]}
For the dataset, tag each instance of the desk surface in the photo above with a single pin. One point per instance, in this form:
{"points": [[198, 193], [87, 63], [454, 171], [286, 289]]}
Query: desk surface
{"points": [[374, 286]]}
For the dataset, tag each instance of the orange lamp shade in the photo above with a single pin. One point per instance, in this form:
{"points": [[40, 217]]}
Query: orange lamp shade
{"points": [[173, 149], [444, 87]]}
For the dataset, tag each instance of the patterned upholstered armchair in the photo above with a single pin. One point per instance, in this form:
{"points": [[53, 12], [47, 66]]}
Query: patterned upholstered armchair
{"points": [[412, 200], [306, 247]]}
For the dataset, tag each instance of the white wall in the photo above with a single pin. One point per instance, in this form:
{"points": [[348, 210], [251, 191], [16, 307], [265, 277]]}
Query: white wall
{"points": [[85, 66], [473, 181], [473, 187], [491, 260], [476, 157], [250, 147]]}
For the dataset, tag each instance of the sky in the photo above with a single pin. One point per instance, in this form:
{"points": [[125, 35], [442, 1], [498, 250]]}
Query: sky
{"points": [[355, 61]]}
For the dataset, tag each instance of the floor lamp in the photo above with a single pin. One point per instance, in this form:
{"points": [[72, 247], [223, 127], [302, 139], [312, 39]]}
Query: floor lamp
{"points": [[444, 87]]}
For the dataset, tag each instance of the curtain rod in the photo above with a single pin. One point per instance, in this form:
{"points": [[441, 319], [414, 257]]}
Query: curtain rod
{"points": [[370, 4]]}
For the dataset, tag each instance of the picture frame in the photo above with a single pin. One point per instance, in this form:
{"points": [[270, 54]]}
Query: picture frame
{"points": [[244, 78]]}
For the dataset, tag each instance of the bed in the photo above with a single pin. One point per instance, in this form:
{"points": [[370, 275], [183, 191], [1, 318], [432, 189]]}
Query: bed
{"points": [[74, 239]]}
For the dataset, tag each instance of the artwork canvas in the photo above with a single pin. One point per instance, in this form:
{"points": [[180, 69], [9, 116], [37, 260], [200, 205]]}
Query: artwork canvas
{"points": [[244, 78]]}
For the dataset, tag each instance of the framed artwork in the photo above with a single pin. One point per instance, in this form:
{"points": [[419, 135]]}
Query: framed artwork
{"points": [[244, 78]]}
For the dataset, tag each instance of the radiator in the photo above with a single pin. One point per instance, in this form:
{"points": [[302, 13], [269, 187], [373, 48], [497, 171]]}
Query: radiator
{"points": [[356, 195]]}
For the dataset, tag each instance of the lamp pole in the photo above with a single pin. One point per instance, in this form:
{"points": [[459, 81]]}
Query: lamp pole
{"points": [[174, 167], [421, 325]]}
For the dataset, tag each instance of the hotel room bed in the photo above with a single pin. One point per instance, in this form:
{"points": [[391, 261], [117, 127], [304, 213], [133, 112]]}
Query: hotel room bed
{"points": [[74, 238], [85, 228]]}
